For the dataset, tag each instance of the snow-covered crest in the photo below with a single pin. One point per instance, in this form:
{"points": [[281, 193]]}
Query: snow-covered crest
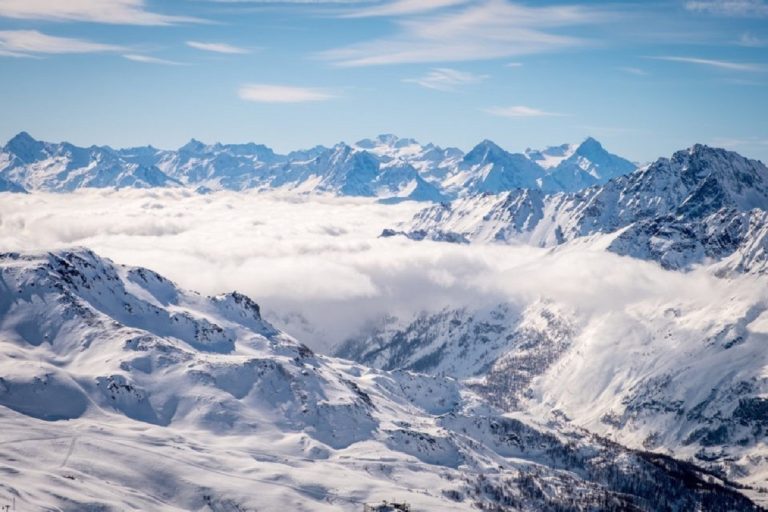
{"points": [[704, 203], [387, 167]]}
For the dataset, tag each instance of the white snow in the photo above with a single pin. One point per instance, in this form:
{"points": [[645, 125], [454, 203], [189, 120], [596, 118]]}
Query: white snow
{"points": [[120, 390]]}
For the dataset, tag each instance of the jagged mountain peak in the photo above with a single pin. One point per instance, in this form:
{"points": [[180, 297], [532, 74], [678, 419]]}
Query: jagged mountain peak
{"points": [[245, 148], [193, 146], [701, 205], [25, 147], [589, 146], [342, 151], [23, 137], [704, 152], [485, 150], [716, 176], [554, 156], [388, 138]]}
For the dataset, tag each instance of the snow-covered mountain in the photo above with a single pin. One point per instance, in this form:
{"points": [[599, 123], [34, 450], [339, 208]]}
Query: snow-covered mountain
{"points": [[702, 205], [432, 162], [499, 344], [490, 169], [574, 167], [120, 390], [232, 166], [385, 167], [684, 377], [36, 165]]}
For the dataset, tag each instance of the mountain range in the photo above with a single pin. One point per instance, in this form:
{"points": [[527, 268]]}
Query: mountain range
{"points": [[115, 380], [386, 167], [701, 206], [121, 390], [684, 377]]}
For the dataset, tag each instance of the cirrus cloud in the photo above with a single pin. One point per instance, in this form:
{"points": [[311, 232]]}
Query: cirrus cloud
{"points": [[488, 30], [446, 79], [147, 59], [720, 64], [401, 7], [120, 12], [217, 47], [26, 43]]}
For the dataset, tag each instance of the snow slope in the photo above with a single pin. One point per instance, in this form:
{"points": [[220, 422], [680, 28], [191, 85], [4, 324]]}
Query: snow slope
{"points": [[7, 185], [120, 390], [682, 375]]}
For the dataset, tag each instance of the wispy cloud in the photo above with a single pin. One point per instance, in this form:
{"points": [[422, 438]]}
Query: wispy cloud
{"points": [[151, 60], [124, 12], [25, 43], [492, 29], [730, 7], [720, 64], [217, 47], [269, 93], [519, 111], [633, 71], [513, 65], [402, 7], [446, 79]]}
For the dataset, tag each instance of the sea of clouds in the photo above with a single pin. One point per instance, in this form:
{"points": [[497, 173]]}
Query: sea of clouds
{"points": [[318, 267]]}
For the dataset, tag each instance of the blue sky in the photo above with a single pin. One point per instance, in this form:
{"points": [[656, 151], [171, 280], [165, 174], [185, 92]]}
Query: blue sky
{"points": [[645, 78]]}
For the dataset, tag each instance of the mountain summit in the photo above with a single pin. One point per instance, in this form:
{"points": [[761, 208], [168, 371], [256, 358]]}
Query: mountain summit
{"points": [[574, 167]]}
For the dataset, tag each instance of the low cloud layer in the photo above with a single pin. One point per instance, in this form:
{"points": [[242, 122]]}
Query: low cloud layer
{"points": [[318, 266]]}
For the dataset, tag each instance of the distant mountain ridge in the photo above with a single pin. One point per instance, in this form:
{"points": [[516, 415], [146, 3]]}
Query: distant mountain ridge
{"points": [[702, 204], [386, 167]]}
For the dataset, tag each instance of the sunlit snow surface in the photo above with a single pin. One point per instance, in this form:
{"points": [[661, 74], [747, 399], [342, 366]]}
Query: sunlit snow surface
{"points": [[121, 390]]}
